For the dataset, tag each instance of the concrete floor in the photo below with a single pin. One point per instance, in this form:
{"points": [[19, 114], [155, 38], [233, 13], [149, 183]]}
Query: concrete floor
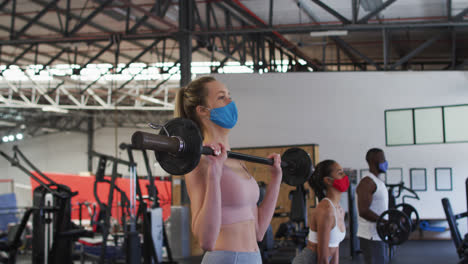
{"points": [[414, 252]]}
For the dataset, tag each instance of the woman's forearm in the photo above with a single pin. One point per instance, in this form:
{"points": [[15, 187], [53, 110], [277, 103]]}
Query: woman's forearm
{"points": [[267, 207]]}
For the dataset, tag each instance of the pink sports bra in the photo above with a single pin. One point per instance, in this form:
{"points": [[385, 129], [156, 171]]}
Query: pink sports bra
{"points": [[239, 197]]}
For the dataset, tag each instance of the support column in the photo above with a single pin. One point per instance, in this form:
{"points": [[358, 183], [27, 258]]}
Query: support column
{"points": [[385, 48], [186, 26], [338, 58], [454, 49], [13, 16], [90, 142]]}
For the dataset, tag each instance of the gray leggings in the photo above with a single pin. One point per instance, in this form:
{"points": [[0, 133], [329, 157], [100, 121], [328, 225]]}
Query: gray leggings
{"points": [[232, 257], [307, 256]]}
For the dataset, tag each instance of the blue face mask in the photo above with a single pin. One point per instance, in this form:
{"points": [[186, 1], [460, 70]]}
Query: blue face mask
{"points": [[225, 116], [383, 166]]}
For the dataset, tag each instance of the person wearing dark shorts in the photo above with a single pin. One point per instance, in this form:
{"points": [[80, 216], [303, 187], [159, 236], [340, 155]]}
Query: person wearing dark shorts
{"points": [[372, 201]]}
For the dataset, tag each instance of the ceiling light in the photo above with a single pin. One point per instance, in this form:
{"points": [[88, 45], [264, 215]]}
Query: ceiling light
{"points": [[7, 123], [329, 33], [11, 137], [49, 130], [51, 108], [5, 139], [19, 136]]}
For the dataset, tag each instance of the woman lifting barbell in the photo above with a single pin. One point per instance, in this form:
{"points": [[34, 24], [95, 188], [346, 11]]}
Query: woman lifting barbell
{"points": [[223, 195], [326, 221]]}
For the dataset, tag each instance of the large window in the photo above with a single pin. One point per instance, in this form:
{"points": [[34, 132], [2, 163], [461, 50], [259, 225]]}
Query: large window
{"points": [[400, 127], [428, 125], [456, 123]]}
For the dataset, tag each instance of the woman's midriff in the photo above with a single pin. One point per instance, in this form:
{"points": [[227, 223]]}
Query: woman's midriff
{"points": [[313, 247], [240, 237]]}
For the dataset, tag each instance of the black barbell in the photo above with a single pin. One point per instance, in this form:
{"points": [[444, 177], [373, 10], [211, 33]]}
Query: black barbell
{"points": [[179, 145], [394, 226]]}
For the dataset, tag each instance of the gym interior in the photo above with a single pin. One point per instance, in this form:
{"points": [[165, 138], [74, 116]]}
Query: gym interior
{"points": [[98, 167]]}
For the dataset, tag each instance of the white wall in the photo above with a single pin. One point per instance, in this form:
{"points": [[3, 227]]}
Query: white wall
{"points": [[344, 114], [67, 153]]}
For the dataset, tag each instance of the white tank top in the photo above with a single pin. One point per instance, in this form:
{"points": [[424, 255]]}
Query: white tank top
{"points": [[336, 236], [379, 204]]}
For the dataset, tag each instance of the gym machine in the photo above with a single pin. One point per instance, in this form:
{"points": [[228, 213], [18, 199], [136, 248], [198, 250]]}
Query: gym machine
{"points": [[395, 225], [461, 245], [53, 231], [152, 246], [353, 221], [131, 236]]}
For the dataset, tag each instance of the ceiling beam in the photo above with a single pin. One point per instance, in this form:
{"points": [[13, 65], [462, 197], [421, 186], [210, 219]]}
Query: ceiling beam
{"points": [[355, 51], [449, 10], [36, 18], [417, 50], [349, 54], [280, 39], [85, 21], [45, 26], [107, 31], [283, 29], [4, 3], [375, 12], [332, 11], [461, 15]]}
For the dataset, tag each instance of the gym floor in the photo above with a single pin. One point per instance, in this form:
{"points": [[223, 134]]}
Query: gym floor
{"points": [[414, 252]]}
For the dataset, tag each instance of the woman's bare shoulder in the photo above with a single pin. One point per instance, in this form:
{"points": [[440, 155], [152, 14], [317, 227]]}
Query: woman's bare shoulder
{"points": [[324, 209]]}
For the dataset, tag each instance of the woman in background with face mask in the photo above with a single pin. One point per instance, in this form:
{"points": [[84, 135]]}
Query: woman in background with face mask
{"points": [[326, 221], [223, 195]]}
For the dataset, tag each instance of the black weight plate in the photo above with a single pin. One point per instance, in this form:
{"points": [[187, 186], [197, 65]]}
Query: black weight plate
{"points": [[411, 212], [182, 162], [393, 227], [299, 168]]}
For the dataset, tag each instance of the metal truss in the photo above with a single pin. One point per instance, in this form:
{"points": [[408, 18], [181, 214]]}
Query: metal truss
{"points": [[33, 123], [226, 28], [213, 20], [222, 32], [264, 51], [61, 98]]}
